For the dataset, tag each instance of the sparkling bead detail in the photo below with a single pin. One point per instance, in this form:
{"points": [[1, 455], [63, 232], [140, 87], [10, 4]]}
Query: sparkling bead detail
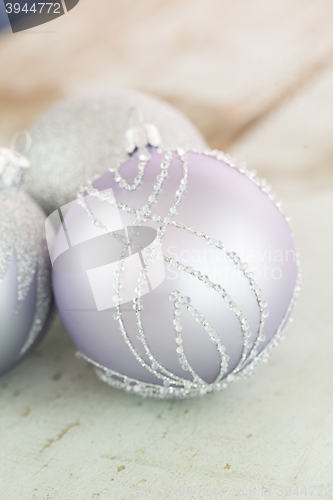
{"points": [[190, 384]]}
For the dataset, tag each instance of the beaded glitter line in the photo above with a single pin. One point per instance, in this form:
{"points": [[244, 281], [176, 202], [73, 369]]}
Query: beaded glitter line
{"points": [[183, 360], [174, 385]]}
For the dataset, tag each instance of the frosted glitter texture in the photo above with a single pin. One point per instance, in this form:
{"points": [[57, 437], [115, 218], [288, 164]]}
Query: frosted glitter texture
{"points": [[26, 300], [82, 137]]}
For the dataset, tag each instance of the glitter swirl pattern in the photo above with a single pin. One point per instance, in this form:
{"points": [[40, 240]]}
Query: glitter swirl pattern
{"points": [[191, 384]]}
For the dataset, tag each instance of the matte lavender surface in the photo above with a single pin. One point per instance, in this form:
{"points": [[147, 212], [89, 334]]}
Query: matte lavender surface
{"points": [[219, 201], [26, 299]]}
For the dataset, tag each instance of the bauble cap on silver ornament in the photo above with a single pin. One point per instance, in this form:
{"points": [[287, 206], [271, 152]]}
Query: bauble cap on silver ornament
{"points": [[12, 167]]}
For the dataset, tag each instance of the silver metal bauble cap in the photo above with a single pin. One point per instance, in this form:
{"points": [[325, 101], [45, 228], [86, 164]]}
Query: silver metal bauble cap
{"points": [[12, 167]]}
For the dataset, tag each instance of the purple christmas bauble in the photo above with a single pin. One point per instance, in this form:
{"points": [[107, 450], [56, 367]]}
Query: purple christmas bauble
{"points": [[175, 272], [26, 300]]}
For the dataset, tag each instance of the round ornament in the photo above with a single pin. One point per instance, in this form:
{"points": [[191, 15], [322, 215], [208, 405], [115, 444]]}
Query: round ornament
{"points": [[79, 137], [26, 300], [175, 272]]}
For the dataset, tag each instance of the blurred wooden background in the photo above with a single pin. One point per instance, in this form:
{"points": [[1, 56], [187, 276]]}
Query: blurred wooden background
{"points": [[228, 65], [256, 77]]}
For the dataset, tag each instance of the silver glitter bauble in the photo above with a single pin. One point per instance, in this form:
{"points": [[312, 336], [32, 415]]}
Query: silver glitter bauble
{"points": [[82, 137], [26, 300]]}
